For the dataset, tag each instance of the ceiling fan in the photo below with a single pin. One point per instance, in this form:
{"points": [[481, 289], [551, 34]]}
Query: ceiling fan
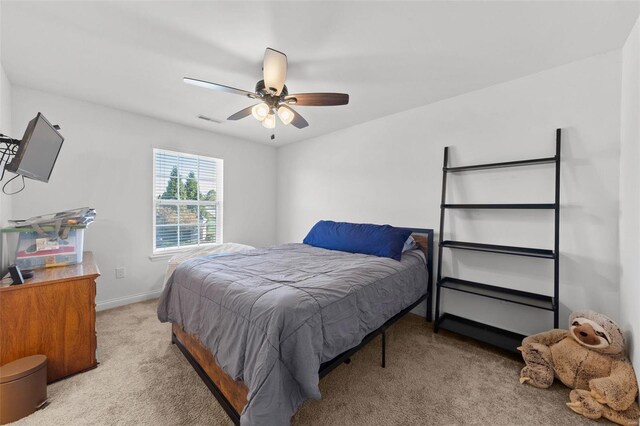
{"points": [[273, 95]]}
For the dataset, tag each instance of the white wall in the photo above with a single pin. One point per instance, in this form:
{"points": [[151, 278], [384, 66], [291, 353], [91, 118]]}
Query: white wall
{"points": [[5, 128], [630, 194], [5, 103], [106, 163], [389, 171]]}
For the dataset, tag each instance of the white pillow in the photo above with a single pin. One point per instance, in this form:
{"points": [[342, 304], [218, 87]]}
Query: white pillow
{"points": [[410, 244]]}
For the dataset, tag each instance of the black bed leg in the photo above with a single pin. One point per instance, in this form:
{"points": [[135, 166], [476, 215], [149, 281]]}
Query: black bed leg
{"points": [[384, 344]]}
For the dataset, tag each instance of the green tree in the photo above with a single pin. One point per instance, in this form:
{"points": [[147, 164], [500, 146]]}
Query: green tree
{"points": [[191, 188], [177, 189], [209, 196], [171, 191]]}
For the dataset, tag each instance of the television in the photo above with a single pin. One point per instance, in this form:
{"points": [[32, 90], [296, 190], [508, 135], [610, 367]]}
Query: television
{"points": [[37, 151]]}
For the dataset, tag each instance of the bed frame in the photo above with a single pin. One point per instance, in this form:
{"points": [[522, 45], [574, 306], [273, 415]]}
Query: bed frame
{"points": [[232, 394]]}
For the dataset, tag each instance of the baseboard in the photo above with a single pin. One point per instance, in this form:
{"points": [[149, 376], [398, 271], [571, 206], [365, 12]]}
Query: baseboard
{"points": [[126, 300], [421, 309]]}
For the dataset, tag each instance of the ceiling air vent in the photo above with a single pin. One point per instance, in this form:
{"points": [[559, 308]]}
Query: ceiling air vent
{"points": [[213, 120]]}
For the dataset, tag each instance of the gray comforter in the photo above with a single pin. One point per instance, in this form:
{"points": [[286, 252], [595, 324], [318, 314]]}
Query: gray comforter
{"points": [[272, 316]]}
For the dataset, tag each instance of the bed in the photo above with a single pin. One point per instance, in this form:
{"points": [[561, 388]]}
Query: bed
{"points": [[261, 327]]}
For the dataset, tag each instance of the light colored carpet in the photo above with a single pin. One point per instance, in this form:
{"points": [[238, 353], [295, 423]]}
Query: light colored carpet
{"points": [[430, 379]]}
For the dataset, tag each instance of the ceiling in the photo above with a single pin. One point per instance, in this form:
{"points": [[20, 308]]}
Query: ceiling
{"points": [[389, 56]]}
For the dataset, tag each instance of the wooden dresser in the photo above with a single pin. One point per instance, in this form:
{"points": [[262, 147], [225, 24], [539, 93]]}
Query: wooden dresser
{"points": [[52, 314]]}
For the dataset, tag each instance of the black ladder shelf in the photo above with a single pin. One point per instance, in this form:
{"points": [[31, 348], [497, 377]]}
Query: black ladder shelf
{"points": [[501, 338]]}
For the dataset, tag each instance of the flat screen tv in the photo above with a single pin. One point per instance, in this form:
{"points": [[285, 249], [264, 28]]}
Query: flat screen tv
{"points": [[37, 151]]}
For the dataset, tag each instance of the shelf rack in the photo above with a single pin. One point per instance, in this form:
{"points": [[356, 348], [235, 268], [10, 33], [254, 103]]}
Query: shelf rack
{"points": [[504, 339]]}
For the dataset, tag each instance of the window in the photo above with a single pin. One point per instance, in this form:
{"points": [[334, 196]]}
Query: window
{"points": [[187, 200]]}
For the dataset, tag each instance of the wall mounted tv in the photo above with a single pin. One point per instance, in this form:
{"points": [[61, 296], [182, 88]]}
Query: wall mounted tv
{"points": [[37, 151]]}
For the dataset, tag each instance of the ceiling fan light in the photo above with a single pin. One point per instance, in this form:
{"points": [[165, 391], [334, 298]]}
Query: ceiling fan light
{"points": [[285, 114], [260, 111], [270, 121]]}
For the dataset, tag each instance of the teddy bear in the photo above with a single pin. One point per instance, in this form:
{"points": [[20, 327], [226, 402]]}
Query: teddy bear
{"points": [[589, 358]]}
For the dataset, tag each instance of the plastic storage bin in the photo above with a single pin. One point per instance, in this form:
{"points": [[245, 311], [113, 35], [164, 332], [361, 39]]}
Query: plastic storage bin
{"points": [[35, 251]]}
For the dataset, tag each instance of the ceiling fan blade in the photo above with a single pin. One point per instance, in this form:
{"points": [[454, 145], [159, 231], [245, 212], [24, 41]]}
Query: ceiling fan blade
{"points": [[274, 70], [221, 87], [317, 99], [298, 120], [241, 114]]}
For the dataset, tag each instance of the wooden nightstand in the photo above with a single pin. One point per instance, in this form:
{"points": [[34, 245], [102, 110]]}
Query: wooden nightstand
{"points": [[53, 314]]}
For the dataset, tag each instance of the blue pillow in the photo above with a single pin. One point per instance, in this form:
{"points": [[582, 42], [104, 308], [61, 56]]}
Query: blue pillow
{"points": [[377, 240]]}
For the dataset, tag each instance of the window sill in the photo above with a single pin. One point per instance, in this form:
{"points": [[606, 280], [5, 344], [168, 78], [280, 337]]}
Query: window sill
{"points": [[166, 255], [162, 256]]}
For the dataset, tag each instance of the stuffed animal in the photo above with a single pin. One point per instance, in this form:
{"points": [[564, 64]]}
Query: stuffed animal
{"points": [[590, 359]]}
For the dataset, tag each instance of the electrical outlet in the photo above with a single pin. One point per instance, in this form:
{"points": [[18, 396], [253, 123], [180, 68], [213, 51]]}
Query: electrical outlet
{"points": [[120, 272]]}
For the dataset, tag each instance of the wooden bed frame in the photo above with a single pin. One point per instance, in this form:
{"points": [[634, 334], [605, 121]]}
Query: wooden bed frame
{"points": [[232, 394]]}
